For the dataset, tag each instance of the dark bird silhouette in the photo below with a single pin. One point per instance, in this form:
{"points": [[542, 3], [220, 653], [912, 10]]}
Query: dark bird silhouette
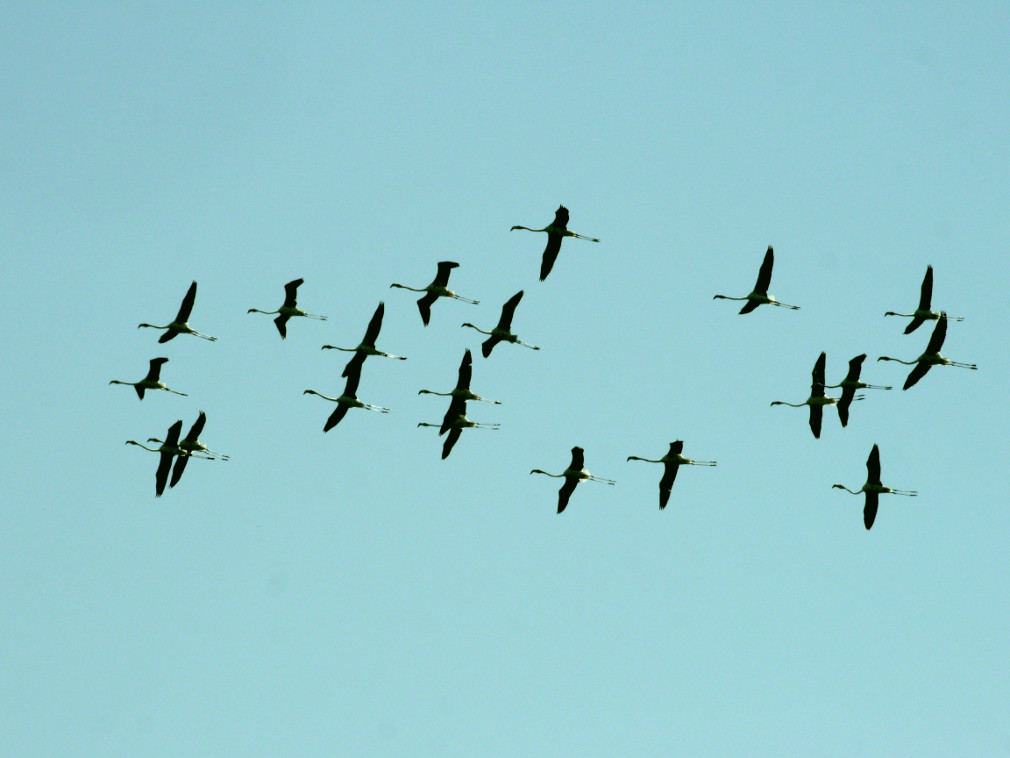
{"points": [[191, 447], [817, 399], [438, 288], [556, 232], [849, 386], [456, 426], [152, 381], [572, 475], [168, 449], [873, 488], [760, 296], [290, 308], [180, 325], [924, 312], [367, 346], [460, 393], [345, 402], [672, 461], [503, 332], [931, 357]]}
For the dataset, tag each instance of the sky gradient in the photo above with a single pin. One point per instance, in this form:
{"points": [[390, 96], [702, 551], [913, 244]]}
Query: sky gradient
{"points": [[350, 592]]}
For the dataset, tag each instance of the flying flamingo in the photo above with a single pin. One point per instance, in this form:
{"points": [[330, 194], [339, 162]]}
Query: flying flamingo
{"points": [[931, 357], [191, 447], [503, 332], [459, 394], [672, 461], [367, 346], [556, 232], [924, 312], [180, 325], [345, 402], [152, 381], [456, 427], [760, 296], [168, 449], [849, 386], [290, 308], [817, 399], [572, 475], [438, 288], [873, 488]]}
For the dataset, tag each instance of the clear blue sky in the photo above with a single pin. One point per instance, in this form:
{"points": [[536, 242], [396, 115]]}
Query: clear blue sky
{"points": [[351, 593]]}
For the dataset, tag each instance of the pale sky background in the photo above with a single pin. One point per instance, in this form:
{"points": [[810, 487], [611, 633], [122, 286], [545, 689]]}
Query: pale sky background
{"points": [[350, 593]]}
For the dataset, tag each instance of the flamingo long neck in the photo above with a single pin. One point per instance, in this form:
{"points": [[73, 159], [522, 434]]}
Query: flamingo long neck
{"points": [[327, 397], [150, 449]]}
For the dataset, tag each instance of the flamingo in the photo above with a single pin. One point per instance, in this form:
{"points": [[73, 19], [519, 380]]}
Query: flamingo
{"points": [[179, 325], [167, 449], [190, 444], [572, 475], [924, 312], [556, 231], [672, 461], [367, 346], [290, 308], [438, 288], [817, 399], [191, 447], [345, 402], [873, 488], [760, 295], [152, 381], [456, 426], [503, 332], [849, 386], [931, 357], [462, 389]]}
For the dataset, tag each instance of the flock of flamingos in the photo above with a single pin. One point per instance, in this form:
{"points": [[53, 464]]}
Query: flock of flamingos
{"points": [[180, 449]]}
